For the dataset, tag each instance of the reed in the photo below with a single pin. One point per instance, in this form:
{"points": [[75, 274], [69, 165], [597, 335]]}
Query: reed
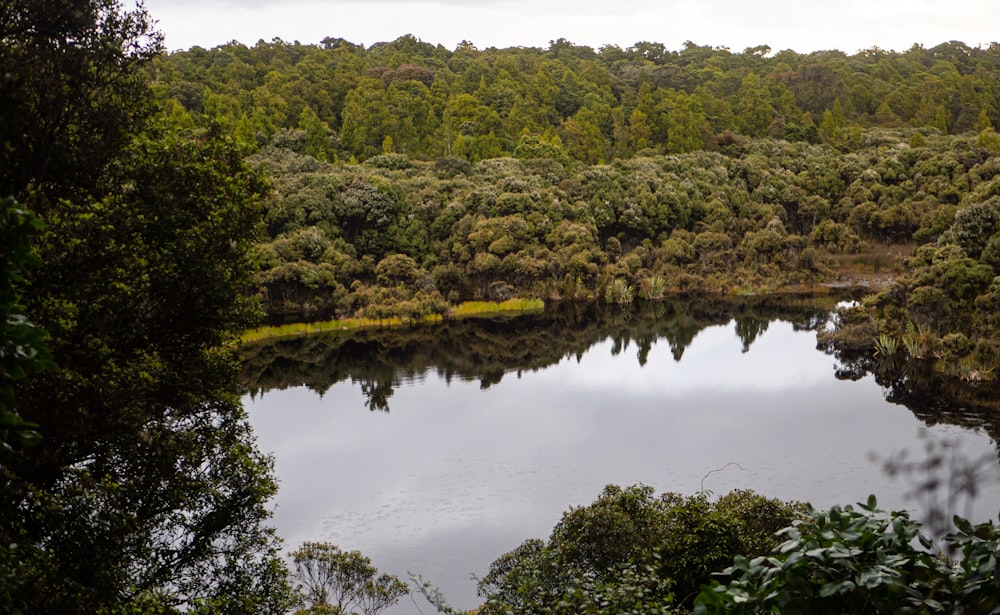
{"points": [[480, 308], [469, 309]]}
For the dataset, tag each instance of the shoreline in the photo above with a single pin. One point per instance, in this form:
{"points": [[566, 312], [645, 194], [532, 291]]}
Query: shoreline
{"points": [[466, 309]]}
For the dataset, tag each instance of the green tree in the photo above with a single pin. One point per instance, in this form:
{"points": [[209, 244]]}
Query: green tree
{"points": [[834, 127], [142, 426], [753, 112], [317, 142], [582, 137], [330, 577], [684, 123], [145, 489], [71, 93], [641, 552]]}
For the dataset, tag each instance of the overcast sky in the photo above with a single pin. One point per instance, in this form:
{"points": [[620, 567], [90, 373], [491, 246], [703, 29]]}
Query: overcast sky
{"points": [[800, 25]]}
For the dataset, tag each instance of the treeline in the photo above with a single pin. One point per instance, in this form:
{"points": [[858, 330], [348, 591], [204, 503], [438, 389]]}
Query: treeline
{"points": [[569, 173], [342, 101]]}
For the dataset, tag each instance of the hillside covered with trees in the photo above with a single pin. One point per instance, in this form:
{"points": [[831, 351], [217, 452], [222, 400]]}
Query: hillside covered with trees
{"points": [[347, 102], [407, 177]]}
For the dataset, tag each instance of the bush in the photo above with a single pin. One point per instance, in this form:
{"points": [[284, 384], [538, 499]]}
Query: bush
{"points": [[631, 551], [392, 162], [864, 560]]}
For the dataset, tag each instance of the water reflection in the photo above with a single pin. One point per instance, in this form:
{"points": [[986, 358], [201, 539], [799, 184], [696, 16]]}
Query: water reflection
{"points": [[497, 427], [486, 350]]}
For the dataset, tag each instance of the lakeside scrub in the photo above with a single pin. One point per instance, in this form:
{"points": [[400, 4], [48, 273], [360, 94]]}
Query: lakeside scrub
{"points": [[468, 309]]}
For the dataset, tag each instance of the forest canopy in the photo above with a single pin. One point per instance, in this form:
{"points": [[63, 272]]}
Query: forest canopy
{"points": [[342, 101]]}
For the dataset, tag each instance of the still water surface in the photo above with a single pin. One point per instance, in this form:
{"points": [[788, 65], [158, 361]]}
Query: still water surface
{"points": [[455, 474]]}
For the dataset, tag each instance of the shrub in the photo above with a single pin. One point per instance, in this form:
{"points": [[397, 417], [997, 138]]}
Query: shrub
{"points": [[631, 551], [863, 560], [392, 162]]}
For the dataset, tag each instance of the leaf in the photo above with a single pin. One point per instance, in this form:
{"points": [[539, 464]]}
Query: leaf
{"points": [[789, 546], [989, 565], [933, 604], [963, 525]]}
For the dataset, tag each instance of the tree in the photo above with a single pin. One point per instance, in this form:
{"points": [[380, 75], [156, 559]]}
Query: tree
{"points": [[22, 352], [145, 448], [380, 593], [72, 95], [331, 577], [317, 142], [644, 554], [145, 489], [684, 123], [753, 112]]}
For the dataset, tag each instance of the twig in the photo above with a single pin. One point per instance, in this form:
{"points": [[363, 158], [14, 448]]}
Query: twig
{"points": [[731, 463]]}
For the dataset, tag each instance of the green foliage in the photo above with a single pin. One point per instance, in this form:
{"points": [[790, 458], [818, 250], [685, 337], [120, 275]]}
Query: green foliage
{"points": [[589, 106], [654, 288], [863, 560], [22, 344], [631, 551], [535, 228], [844, 152], [391, 161], [154, 291], [334, 581], [72, 93], [974, 225], [620, 292], [530, 146], [22, 353], [886, 346], [145, 491]]}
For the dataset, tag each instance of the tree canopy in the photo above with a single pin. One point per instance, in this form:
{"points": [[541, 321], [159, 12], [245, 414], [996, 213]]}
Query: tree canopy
{"points": [[143, 487], [592, 105]]}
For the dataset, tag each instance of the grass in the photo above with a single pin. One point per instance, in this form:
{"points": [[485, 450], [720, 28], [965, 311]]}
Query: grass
{"points": [[488, 308], [469, 309]]}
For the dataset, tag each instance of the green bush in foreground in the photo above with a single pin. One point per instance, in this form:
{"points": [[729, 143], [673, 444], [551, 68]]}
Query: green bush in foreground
{"points": [[863, 560], [632, 551]]}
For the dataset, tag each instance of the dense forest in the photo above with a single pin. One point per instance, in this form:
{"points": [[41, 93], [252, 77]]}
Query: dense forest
{"points": [[407, 177], [151, 203], [349, 103]]}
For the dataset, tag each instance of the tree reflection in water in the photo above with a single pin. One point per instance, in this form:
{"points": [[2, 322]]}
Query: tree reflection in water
{"points": [[488, 349]]}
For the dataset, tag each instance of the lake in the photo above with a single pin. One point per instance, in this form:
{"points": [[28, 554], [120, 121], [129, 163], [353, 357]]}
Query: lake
{"points": [[437, 449]]}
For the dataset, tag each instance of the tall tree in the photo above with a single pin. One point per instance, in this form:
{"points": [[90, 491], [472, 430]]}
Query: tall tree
{"points": [[754, 112], [145, 488]]}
